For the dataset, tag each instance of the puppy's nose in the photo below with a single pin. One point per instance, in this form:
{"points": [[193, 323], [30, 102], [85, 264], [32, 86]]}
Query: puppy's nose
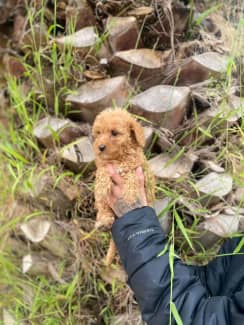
{"points": [[102, 147]]}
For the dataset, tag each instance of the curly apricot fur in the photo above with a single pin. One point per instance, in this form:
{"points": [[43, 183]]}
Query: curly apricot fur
{"points": [[121, 139]]}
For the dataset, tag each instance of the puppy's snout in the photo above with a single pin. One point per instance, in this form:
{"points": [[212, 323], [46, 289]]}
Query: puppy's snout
{"points": [[101, 147]]}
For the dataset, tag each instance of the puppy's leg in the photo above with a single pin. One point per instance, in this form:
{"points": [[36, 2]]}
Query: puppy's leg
{"points": [[105, 217], [110, 253]]}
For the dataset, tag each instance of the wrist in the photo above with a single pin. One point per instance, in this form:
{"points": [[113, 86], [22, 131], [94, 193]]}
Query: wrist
{"points": [[122, 207]]}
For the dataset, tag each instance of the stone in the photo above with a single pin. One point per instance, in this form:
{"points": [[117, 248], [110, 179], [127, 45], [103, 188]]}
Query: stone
{"points": [[33, 39], [162, 211], [57, 196], [78, 156], [123, 33], [215, 185], [13, 66], [95, 96], [165, 166], [163, 105], [36, 265], [83, 41], [49, 235], [197, 69], [144, 67], [79, 15], [148, 133], [53, 131], [230, 110]]}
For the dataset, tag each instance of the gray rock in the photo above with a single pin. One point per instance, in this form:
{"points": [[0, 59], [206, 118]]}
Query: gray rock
{"points": [[163, 105], [94, 96]]}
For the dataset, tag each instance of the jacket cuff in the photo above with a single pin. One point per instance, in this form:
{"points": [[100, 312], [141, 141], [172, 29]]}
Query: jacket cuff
{"points": [[139, 237]]}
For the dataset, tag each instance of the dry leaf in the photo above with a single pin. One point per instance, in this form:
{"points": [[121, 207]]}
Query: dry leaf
{"points": [[141, 11]]}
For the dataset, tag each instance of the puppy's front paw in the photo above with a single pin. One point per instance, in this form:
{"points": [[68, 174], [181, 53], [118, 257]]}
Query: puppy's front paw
{"points": [[104, 223]]}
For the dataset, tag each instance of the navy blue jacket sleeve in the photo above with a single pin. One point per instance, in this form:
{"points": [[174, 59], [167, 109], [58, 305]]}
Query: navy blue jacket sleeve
{"points": [[139, 239]]}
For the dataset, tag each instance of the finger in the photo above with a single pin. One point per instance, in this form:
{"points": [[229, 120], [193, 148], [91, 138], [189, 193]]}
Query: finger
{"points": [[115, 177], [141, 181], [116, 192], [140, 176], [114, 195]]}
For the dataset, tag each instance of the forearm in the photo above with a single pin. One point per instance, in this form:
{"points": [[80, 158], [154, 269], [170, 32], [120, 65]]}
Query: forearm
{"points": [[139, 239], [131, 231]]}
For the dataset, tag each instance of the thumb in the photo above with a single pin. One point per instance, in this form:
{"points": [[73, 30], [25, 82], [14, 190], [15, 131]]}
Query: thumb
{"points": [[140, 176], [141, 181]]}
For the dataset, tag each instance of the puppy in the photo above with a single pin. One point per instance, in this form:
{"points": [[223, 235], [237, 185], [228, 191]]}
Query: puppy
{"points": [[118, 140]]}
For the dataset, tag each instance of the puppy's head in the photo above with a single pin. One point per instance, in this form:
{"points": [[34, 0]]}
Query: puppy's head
{"points": [[114, 132]]}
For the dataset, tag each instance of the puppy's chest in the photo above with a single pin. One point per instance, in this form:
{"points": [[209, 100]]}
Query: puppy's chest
{"points": [[130, 184], [103, 182]]}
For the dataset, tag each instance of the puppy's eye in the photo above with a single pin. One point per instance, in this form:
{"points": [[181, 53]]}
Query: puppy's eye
{"points": [[114, 133]]}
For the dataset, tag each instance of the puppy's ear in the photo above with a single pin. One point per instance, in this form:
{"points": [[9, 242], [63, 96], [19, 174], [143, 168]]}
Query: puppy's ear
{"points": [[94, 128], [137, 133]]}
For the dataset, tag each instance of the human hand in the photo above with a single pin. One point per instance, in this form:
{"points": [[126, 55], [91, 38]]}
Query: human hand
{"points": [[115, 197]]}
